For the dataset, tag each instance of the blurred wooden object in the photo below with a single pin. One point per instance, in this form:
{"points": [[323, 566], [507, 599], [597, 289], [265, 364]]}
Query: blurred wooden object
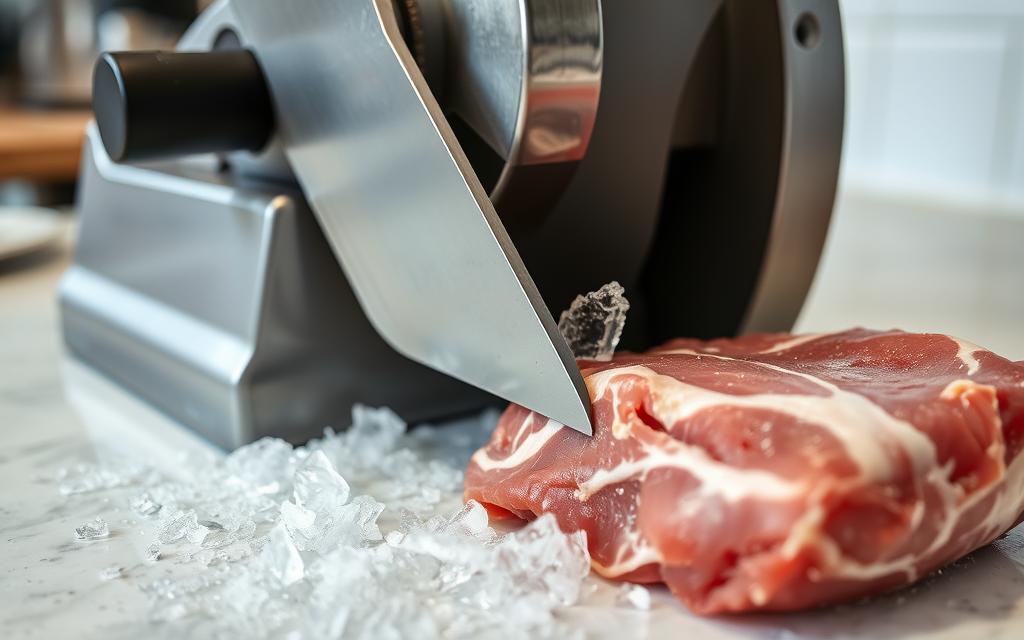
{"points": [[41, 145]]}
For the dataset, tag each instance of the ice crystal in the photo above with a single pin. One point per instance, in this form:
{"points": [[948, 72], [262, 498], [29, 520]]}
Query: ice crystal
{"points": [[633, 596], [111, 573], [263, 467], [144, 505], [592, 325], [95, 529], [88, 477], [358, 535], [177, 527], [280, 559]]}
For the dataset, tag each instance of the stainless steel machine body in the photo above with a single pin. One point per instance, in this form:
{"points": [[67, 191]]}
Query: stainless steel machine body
{"points": [[701, 177]]}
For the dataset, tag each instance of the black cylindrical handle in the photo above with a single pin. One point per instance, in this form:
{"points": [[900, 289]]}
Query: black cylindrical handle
{"points": [[151, 105]]}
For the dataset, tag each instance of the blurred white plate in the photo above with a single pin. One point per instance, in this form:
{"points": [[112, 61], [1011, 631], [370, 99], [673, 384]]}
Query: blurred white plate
{"points": [[25, 230]]}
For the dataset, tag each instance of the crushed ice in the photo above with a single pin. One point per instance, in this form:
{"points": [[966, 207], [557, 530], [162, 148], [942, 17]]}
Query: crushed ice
{"points": [[144, 505], [592, 325], [95, 529], [357, 535], [633, 596], [87, 478]]}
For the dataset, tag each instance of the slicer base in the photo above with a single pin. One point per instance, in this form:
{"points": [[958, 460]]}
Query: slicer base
{"points": [[223, 306]]}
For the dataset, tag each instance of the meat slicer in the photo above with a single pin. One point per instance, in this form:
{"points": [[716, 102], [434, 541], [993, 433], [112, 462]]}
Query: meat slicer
{"points": [[314, 203]]}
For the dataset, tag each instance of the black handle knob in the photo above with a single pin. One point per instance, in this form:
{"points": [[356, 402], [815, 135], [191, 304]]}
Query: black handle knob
{"points": [[151, 105]]}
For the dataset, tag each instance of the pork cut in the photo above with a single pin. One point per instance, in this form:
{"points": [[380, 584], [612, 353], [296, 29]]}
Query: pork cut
{"points": [[775, 471]]}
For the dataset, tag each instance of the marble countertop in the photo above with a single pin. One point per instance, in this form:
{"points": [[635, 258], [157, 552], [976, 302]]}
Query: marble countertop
{"points": [[55, 412]]}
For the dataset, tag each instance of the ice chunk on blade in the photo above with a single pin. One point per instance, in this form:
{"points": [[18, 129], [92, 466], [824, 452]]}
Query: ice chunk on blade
{"points": [[592, 325]]}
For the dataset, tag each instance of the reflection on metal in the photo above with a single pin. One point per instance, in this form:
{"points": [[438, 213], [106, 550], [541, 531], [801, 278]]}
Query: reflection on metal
{"points": [[221, 304], [813, 86], [401, 206], [526, 75], [705, 188], [708, 182]]}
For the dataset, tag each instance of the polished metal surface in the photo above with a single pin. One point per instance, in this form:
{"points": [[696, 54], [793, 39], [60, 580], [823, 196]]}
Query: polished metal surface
{"points": [[603, 226], [813, 85], [563, 82], [402, 208], [706, 188], [688, 194], [526, 75], [485, 66], [221, 304], [755, 199], [205, 34]]}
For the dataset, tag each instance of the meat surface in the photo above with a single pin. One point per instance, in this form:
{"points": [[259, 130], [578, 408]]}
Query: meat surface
{"points": [[775, 472]]}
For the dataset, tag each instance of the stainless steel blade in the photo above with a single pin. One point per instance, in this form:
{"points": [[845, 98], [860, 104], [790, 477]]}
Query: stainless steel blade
{"points": [[401, 207]]}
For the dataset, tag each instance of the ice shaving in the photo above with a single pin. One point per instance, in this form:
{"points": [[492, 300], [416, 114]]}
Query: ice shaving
{"points": [[360, 534]]}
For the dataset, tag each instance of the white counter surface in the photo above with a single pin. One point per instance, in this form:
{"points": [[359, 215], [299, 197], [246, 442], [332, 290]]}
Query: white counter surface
{"points": [[55, 412]]}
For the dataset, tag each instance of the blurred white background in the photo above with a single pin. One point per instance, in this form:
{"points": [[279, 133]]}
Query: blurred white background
{"points": [[928, 231], [936, 100]]}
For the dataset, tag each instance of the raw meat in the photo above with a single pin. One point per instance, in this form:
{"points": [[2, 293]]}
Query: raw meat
{"points": [[775, 472]]}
